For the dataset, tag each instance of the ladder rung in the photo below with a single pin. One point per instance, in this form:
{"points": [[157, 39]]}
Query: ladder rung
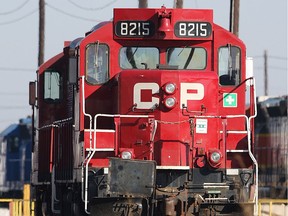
{"points": [[234, 132], [99, 149], [236, 150]]}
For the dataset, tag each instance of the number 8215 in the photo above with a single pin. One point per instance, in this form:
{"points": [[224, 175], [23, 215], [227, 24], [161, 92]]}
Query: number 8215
{"points": [[193, 29], [134, 29]]}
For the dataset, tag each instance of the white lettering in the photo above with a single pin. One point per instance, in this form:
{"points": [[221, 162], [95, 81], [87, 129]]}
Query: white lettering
{"points": [[146, 30], [188, 91], [138, 87], [124, 28], [182, 29], [203, 30], [196, 94]]}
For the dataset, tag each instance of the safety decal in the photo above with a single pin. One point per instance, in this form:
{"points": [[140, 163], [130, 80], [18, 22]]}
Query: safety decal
{"points": [[201, 125], [229, 99]]}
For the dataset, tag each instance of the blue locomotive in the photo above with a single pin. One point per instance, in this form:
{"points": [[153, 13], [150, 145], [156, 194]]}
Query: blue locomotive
{"points": [[15, 158]]}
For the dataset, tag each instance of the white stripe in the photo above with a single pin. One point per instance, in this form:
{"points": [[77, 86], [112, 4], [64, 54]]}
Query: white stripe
{"points": [[173, 167], [99, 149], [235, 132], [101, 130], [236, 150], [232, 171]]}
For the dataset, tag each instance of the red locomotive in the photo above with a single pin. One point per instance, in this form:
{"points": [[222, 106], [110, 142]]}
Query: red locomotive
{"points": [[145, 115]]}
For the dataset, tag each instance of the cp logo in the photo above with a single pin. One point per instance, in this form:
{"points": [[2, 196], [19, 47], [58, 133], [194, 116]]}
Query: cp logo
{"points": [[188, 91]]}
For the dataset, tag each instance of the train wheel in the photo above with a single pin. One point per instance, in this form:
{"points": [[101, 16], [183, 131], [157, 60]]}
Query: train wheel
{"points": [[42, 202], [38, 204], [72, 204]]}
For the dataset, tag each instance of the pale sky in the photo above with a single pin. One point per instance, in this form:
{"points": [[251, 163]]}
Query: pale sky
{"points": [[263, 26]]}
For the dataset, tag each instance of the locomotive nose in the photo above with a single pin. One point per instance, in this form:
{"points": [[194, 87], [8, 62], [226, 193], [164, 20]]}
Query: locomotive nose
{"points": [[173, 98]]}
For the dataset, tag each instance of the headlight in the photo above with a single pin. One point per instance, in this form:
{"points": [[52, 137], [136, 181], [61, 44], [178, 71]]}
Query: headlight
{"points": [[170, 102], [215, 157], [126, 155], [170, 88]]}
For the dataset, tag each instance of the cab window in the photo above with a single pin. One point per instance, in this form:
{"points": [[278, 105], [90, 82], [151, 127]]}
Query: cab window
{"points": [[97, 71], [139, 57], [13, 144], [229, 65], [187, 58], [52, 86]]}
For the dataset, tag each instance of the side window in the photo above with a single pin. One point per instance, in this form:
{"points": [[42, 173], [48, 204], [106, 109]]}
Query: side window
{"points": [[187, 58], [13, 144], [97, 71], [52, 86], [229, 65], [139, 58]]}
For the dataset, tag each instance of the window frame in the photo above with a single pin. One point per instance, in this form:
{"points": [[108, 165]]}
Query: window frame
{"points": [[60, 93], [237, 71], [154, 47], [198, 69], [107, 74], [13, 144]]}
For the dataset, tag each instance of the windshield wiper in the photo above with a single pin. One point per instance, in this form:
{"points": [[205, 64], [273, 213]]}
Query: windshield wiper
{"points": [[130, 56], [189, 58]]}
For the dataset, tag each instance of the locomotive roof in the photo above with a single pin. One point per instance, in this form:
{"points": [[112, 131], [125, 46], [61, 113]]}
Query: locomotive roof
{"points": [[10, 129], [14, 129]]}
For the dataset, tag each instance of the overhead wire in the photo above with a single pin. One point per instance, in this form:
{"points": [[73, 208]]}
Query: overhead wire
{"points": [[15, 9], [20, 18], [13, 93], [278, 57], [71, 15], [277, 68], [272, 67], [56, 9], [272, 57], [13, 107], [92, 9], [16, 69]]}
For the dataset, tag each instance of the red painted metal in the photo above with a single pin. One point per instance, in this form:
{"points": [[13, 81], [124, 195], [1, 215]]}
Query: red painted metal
{"points": [[176, 142], [170, 153], [182, 136]]}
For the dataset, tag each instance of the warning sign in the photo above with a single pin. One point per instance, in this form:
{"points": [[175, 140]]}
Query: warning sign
{"points": [[201, 125]]}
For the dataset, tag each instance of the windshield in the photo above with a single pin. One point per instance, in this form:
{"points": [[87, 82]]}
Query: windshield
{"points": [[187, 58], [139, 57]]}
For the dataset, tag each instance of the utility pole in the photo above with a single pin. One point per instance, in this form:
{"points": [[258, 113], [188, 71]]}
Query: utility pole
{"points": [[265, 73], [234, 17], [143, 4], [178, 3], [41, 32]]}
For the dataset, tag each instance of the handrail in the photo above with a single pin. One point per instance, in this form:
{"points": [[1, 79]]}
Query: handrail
{"points": [[253, 88], [248, 126], [248, 122], [90, 137], [270, 202], [92, 151]]}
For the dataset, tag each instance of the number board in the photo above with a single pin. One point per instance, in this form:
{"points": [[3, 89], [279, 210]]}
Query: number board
{"points": [[134, 29], [193, 29]]}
